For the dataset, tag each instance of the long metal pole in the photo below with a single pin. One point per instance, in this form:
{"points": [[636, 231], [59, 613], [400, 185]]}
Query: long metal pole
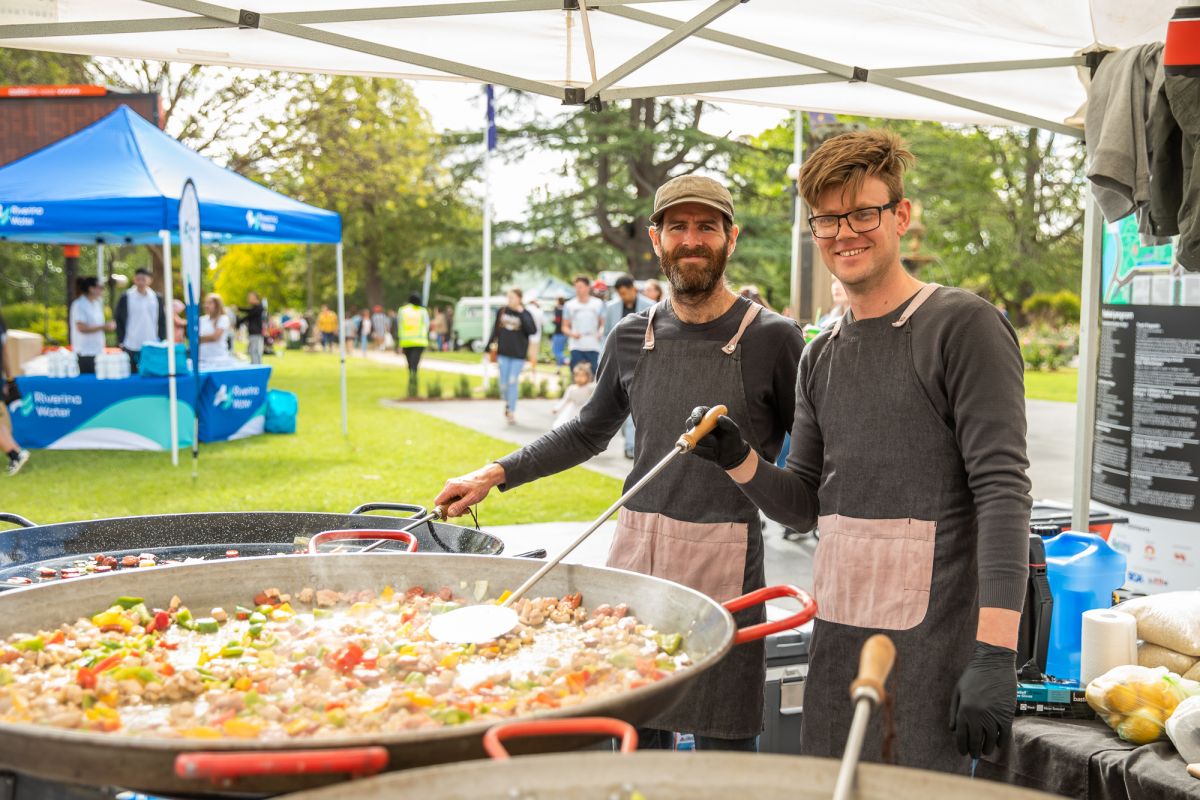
{"points": [[1089, 336], [487, 254], [169, 313], [341, 290], [680, 447], [797, 215]]}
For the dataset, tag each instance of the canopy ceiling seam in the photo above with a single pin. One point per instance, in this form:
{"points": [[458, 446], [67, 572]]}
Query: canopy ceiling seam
{"points": [[851, 73], [679, 32]]}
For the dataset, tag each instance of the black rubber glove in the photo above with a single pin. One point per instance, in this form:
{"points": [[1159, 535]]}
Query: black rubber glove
{"points": [[724, 445], [983, 703]]}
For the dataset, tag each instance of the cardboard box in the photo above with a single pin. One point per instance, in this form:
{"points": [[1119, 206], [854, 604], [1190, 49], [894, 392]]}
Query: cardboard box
{"points": [[20, 347]]}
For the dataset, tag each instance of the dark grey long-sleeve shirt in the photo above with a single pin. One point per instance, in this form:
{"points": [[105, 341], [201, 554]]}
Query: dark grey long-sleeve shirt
{"points": [[968, 361], [770, 353]]}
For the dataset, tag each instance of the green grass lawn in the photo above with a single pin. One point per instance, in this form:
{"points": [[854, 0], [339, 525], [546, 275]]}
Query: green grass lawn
{"points": [[391, 454], [1060, 385], [461, 356]]}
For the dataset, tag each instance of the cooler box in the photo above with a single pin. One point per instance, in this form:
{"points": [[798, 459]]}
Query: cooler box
{"points": [[153, 361]]}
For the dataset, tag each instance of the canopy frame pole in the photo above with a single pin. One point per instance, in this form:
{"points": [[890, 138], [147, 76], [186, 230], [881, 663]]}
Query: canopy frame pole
{"points": [[105, 27], [341, 303], [100, 271], [851, 73], [771, 82], [679, 32], [168, 24], [270, 23], [797, 216], [1089, 340], [169, 313], [435, 10], [588, 44]]}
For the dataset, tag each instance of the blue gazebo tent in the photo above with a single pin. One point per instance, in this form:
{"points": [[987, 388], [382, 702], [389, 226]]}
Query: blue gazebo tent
{"points": [[119, 180]]}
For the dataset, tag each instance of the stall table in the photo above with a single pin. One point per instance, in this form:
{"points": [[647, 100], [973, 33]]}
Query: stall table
{"points": [[1084, 759], [86, 413]]}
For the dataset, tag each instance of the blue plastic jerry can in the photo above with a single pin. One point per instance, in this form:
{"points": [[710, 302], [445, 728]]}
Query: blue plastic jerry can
{"points": [[1083, 571]]}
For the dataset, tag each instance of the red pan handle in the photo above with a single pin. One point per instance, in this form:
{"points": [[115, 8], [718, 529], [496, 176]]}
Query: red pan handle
{"points": [[325, 537], [223, 767], [558, 727], [808, 610]]}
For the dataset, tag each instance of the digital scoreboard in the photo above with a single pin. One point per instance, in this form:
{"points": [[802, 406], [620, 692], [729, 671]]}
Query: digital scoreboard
{"points": [[32, 117]]}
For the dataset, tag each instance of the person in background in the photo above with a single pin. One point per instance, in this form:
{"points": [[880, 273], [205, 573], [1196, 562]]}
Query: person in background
{"points": [[583, 322], [627, 302], [441, 330], [576, 395], [327, 324], [231, 328], [140, 317], [653, 290], [908, 446], [558, 338], [379, 328], [451, 343], [751, 293], [17, 455], [510, 341], [87, 323], [214, 332], [253, 320], [394, 330], [363, 331], [414, 335], [180, 321], [841, 304], [535, 341]]}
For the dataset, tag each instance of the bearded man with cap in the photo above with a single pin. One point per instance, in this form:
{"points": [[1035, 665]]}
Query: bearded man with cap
{"points": [[704, 345]]}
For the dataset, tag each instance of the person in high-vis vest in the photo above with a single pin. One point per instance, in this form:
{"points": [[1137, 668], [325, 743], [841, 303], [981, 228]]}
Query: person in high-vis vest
{"points": [[414, 335]]}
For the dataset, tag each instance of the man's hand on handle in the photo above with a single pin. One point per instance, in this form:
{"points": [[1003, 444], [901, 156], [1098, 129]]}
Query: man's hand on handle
{"points": [[725, 445], [466, 490], [983, 703]]}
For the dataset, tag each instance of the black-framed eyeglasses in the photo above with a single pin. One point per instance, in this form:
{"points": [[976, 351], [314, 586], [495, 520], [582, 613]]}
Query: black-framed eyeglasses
{"points": [[860, 220]]}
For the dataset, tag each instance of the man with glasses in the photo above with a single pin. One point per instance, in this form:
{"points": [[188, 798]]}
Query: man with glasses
{"points": [[908, 449]]}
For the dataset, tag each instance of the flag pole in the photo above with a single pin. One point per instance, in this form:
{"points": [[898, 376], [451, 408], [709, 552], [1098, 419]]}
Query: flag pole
{"points": [[490, 144], [169, 313]]}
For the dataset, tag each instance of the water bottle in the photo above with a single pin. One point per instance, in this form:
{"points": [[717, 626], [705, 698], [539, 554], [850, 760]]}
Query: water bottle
{"points": [[1084, 571]]}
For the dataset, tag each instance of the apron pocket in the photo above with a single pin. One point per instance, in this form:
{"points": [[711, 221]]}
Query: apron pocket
{"points": [[709, 557], [873, 573]]}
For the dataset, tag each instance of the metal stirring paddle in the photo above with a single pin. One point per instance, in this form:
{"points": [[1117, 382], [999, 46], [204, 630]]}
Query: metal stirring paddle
{"points": [[482, 623], [874, 663]]}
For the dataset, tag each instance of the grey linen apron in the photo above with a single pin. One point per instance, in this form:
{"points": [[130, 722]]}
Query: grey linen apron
{"points": [[897, 549], [692, 524]]}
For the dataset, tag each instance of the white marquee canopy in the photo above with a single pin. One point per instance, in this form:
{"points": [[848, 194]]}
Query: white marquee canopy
{"points": [[969, 61], [973, 61]]}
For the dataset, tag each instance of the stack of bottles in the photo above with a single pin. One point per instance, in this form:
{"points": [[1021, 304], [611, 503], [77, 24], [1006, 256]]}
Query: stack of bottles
{"points": [[62, 363], [112, 365]]}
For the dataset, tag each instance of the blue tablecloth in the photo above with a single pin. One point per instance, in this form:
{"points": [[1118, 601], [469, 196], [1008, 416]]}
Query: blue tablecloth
{"points": [[88, 414], [233, 403]]}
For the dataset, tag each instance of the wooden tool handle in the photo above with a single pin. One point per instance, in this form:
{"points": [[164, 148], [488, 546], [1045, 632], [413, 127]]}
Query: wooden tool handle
{"points": [[1194, 770], [874, 663], [705, 426]]}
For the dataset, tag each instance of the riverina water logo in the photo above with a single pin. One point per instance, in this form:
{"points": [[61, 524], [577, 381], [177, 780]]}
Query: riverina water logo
{"points": [[261, 221], [238, 397], [42, 404], [20, 216]]}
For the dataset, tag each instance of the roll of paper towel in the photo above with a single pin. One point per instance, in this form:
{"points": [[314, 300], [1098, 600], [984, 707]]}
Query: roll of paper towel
{"points": [[1109, 640]]}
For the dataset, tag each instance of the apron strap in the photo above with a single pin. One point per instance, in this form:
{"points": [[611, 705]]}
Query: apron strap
{"points": [[837, 327], [926, 292], [751, 313], [649, 342]]}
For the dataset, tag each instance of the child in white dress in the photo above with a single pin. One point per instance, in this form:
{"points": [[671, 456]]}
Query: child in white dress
{"points": [[576, 395]]}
